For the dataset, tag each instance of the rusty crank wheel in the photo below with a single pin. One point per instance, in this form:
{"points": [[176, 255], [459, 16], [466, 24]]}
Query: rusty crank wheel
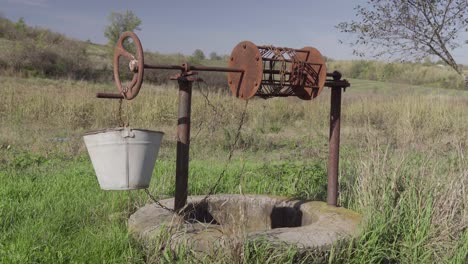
{"points": [[136, 65]]}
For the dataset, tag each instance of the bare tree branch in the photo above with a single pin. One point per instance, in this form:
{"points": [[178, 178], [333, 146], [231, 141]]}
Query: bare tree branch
{"points": [[409, 29]]}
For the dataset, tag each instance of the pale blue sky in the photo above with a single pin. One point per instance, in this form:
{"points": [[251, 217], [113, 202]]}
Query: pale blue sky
{"points": [[183, 25]]}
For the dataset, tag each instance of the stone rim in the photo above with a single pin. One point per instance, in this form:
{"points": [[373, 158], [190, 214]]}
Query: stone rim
{"points": [[332, 224]]}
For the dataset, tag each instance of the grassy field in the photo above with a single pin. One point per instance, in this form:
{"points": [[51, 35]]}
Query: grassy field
{"points": [[403, 167]]}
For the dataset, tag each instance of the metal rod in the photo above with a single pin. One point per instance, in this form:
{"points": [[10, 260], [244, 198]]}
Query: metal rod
{"points": [[218, 69], [281, 49], [192, 68], [163, 67], [109, 95], [334, 146], [288, 60], [275, 60], [276, 95], [276, 72], [183, 143]]}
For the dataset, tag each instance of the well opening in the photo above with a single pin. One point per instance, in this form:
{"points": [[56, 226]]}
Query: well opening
{"points": [[198, 213], [250, 214], [285, 217]]}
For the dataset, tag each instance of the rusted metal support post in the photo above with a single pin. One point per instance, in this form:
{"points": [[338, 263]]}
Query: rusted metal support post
{"points": [[334, 146], [183, 142]]}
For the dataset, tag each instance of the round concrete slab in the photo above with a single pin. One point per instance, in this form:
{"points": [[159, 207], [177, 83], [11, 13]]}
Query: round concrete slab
{"points": [[225, 219]]}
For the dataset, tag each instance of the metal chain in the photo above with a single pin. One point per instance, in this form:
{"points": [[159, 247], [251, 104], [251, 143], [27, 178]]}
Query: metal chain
{"points": [[207, 100], [231, 153], [127, 123], [158, 202], [125, 90], [121, 123], [280, 56], [232, 146]]}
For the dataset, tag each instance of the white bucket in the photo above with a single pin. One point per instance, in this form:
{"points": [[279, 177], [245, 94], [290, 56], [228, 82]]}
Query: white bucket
{"points": [[123, 158]]}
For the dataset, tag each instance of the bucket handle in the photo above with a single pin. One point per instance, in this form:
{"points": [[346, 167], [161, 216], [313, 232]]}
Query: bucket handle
{"points": [[127, 133]]}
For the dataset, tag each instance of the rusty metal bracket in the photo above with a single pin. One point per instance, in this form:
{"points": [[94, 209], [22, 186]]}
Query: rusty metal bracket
{"points": [[186, 74]]}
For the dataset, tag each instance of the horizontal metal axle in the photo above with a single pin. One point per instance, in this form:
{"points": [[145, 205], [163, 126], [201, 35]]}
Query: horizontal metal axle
{"points": [[183, 67], [335, 82]]}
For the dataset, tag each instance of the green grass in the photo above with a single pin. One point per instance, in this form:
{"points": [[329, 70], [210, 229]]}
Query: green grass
{"points": [[403, 167], [52, 211]]}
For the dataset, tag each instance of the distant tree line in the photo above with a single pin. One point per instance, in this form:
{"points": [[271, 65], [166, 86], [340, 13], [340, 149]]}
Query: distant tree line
{"points": [[40, 52], [36, 52]]}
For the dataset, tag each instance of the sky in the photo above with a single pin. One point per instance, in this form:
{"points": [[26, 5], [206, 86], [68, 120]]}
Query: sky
{"points": [[183, 26]]}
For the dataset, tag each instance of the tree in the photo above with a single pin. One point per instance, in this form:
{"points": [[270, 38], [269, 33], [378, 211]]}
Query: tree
{"points": [[409, 29], [119, 23], [214, 56], [198, 55], [20, 26]]}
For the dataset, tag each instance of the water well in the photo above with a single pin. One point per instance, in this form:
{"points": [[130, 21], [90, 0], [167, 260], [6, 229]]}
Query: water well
{"points": [[262, 71], [222, 219]]}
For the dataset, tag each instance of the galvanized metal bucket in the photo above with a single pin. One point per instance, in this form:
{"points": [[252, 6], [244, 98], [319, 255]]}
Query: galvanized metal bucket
{"points": [[123, 158]]}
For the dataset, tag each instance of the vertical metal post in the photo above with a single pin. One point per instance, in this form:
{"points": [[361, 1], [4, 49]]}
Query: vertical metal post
{"points": [[183, 142], [334, 146]]}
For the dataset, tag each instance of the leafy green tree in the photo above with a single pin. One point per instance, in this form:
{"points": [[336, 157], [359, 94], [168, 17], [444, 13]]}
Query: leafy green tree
{"points": [[409, 29], [214, 56], [20, 26], [198, 55], [119, 23]]}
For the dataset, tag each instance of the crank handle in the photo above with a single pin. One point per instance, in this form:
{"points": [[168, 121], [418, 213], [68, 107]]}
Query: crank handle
{"points": [[110, 95]]}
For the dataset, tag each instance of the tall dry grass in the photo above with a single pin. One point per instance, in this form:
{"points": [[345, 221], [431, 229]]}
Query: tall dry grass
{"points": [[403, 154], [434, 75]]}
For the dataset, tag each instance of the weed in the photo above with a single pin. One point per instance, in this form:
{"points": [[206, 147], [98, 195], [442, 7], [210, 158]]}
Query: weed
{"points": [[403, 167]]}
